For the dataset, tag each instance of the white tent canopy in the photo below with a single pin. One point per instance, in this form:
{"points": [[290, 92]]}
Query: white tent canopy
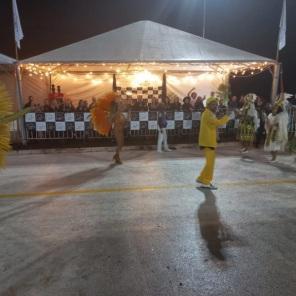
{"points": [[146, 41], [83, 68], [6, 60]]}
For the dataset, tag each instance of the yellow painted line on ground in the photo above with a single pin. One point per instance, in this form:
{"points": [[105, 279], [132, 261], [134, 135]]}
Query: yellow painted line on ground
{"points": [[146, 188]]}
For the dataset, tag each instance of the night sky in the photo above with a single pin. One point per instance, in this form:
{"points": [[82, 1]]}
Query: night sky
{"points": [[251, 25]]}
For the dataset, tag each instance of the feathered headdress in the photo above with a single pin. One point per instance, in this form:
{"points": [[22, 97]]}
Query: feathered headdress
{"points": [[6, 116], [280, 101], [100, 113]]}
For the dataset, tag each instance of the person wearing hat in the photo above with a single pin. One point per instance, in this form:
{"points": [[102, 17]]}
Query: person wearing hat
{"points": [[208, 141], [248, 123], [277, 129]]}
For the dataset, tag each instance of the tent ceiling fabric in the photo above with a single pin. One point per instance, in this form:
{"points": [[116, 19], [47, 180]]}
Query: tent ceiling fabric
{"points": [[146, 41], [4, 60]]}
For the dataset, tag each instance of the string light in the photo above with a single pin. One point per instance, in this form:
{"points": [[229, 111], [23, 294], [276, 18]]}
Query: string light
{"points": [[234, 69]]}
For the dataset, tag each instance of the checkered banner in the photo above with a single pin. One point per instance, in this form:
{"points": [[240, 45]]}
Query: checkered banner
{"points": [[59, 121], [175, 120], [141, 93], [79, 121]]}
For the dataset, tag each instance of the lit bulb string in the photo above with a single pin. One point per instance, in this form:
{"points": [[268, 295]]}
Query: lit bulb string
{"points": [[254, 72], [55, 69]]}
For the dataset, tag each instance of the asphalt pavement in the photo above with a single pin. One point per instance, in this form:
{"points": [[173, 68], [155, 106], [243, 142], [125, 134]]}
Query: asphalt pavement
{"points": [[73, 223]]}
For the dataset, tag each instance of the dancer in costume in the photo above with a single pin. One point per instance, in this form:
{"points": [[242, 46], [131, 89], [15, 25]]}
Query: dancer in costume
{"points": [[6, 116], [208, 141], [277, 129], [107, 113], [248, 122], [118, 122]]}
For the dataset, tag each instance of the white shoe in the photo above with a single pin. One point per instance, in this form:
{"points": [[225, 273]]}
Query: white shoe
{"points": [[213, 187], [206, 186], [159, 151], [167, 150]]}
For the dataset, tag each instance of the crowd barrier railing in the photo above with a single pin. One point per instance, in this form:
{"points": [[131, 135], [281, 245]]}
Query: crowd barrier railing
{"points": [[77, 125]]}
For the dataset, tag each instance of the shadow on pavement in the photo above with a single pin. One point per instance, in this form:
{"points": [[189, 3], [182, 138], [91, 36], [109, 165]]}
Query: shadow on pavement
{"points": [[212, 229], [75, 179], [262, 159]]}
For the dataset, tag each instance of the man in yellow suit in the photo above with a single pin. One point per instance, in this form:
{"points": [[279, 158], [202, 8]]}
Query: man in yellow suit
{"points": [[208, 141]]}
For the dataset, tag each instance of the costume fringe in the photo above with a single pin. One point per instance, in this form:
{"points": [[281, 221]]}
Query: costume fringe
{"points": [[100, 114], [5, 110]]}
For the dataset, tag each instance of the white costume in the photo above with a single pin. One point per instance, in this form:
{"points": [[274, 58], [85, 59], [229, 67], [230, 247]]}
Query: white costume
{"points": [[277, 132]]}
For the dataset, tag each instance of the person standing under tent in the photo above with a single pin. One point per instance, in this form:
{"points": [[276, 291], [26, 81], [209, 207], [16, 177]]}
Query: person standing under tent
{"points": [[277, 129], [162, 140], [208, 141]]}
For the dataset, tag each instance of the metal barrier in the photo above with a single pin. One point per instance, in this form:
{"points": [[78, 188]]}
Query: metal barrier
{"points": [[59, 125], [140, 126]]}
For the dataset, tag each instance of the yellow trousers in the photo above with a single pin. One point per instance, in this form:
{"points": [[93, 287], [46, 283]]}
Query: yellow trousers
{"points": [[206, 175]]}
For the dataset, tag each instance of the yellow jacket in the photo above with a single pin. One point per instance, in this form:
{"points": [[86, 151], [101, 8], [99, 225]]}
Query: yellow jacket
{"points": [[208, 128]]}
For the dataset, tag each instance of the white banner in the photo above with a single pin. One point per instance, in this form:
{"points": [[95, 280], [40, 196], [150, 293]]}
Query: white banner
{"points": [[18, 32], [143, 116], [87, 117], [41, 126], [60, 126], [187, 124], [50, 117], [30, 117], [152, 125], [135, 125], [170, 124], [283, 27], [179, 115], [79, 126], [69, 117]]}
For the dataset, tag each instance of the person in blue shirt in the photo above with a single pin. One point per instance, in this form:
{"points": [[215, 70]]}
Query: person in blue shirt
{"points": [[162, 135]]}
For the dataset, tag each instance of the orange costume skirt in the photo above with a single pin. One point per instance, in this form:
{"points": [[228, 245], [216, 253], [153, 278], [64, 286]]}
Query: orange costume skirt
{"points": [[100, 114]]}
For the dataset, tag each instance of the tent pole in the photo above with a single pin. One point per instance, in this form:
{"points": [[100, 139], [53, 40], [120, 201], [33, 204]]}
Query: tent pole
{"points": [[21, 126], [49, 83], [164, 88], [275, 81], [114, 87]]}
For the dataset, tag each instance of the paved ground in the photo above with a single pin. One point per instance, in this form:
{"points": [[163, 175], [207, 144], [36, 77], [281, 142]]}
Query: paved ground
{"points": [[72, 224]]}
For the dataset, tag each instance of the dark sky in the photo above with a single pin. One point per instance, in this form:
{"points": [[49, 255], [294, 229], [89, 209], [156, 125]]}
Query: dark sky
{"points": [[251, 25]]}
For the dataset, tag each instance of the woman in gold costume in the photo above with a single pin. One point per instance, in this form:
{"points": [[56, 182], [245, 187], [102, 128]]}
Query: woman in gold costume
{"points": [[106, 114], [118, 122]]}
